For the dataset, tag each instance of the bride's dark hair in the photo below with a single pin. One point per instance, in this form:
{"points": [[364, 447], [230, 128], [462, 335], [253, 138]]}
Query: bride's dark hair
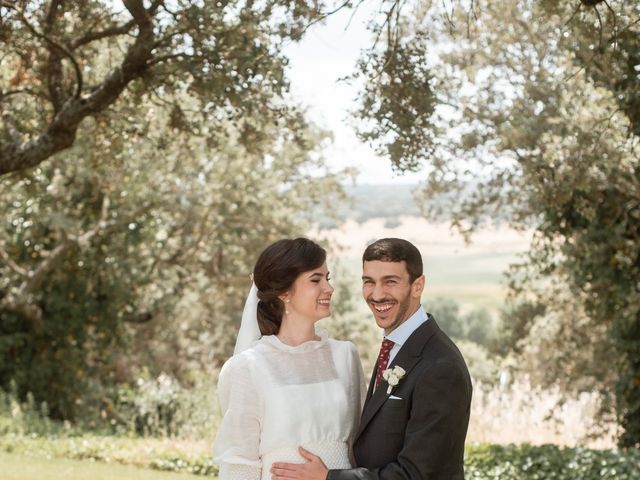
{"points": [[277, 268]]}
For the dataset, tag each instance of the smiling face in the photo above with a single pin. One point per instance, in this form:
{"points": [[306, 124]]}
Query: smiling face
{"points": [[309, 298], [388, 291]]}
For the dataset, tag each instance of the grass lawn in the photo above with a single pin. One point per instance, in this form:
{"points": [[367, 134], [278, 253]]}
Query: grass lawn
{"points": [[18, 467]]}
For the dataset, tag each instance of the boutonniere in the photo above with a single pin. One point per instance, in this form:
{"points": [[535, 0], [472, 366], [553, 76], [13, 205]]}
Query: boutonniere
{"points": [[393, 376]]}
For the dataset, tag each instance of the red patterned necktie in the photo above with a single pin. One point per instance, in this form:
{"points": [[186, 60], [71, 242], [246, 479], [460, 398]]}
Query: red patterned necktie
{"points": [[383, 359]]}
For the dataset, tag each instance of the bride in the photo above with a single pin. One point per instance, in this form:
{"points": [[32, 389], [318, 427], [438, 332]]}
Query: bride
{"points": [[287, 384]]}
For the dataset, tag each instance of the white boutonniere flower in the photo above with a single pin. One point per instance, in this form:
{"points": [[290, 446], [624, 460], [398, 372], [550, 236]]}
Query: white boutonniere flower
{"points": [[393, 376]]}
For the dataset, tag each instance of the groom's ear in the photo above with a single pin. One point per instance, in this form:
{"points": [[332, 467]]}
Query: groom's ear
{"points": [[417, 287]]}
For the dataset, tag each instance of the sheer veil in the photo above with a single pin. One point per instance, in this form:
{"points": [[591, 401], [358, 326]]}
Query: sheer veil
{"points": [[249, 329]]}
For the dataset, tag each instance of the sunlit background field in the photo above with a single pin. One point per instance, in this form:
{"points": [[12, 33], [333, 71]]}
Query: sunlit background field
{"points": [[471, 272]]}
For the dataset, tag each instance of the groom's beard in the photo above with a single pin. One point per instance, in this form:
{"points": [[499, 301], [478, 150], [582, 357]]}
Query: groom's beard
{"points": [[403, 310]]}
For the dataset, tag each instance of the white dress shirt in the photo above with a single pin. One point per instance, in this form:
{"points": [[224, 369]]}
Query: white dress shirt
{"points": [[400, 335]]}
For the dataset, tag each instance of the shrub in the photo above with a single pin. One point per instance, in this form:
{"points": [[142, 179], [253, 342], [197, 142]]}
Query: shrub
{"points": [[152, 405], [550, 462], [162, 407], [25, 417]]}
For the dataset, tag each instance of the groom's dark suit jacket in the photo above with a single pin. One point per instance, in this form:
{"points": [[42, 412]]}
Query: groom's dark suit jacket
{"points": [[421, 435]]}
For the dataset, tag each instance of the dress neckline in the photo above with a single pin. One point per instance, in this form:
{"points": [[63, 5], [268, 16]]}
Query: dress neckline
{"points": [[275, 342]]}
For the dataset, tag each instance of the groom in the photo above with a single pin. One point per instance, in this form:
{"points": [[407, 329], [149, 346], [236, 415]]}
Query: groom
{"points": [[414, 423]]}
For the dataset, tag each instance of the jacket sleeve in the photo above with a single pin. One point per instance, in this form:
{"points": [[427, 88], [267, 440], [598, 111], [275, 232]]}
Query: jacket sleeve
{"points": [[440, 403]]}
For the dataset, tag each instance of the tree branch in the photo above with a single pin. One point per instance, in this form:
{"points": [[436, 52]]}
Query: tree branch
{"points": [[137, 10], [28, 91], [52, 13], [11, 127], [23, 272], [54, 59], [8, 5], [326, 15], [61, 132], [138, 318], [104, 226], [37, 276], [107, 32], [112, 31]]}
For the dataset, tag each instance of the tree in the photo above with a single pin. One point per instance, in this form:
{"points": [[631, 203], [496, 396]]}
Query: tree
{"points": [[540, 102], [63, 62], [447, 313], [555, 342], [105, 249], [475, 326]]}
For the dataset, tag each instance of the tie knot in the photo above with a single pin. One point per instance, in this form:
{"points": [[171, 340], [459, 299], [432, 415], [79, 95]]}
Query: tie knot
{"points": [[387, 344]]}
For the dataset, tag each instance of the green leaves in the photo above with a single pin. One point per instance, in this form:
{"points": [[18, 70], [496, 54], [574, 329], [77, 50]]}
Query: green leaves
{"points": [[61, 65], [398, 101], [549, 462], [529, 115], [157, 213]]}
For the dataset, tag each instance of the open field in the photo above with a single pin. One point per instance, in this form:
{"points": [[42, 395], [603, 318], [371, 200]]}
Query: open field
{"points": [[18, 467], [471, 274]]}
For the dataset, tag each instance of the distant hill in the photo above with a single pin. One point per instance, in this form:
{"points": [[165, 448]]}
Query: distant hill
{"points": [[390, 202], [376, 201]]}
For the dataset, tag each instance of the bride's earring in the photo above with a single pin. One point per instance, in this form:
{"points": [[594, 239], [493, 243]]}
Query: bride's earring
{"points": [[286, 310]]}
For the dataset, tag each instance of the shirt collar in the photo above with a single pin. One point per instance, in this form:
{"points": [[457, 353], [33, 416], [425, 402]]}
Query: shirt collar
{"points": [[404, 331]]}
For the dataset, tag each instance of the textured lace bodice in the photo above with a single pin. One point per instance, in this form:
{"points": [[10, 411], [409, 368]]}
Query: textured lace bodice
{"points": [[275, 397]]}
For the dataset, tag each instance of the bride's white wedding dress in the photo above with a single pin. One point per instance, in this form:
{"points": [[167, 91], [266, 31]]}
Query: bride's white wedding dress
{"points": [[275, 397]]}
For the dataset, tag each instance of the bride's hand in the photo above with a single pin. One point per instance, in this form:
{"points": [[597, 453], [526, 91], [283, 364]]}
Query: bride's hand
{"points": [[314, 469]]}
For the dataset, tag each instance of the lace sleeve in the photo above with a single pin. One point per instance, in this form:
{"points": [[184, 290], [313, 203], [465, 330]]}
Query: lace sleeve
{"points": [[358, 389], [236, 447]]}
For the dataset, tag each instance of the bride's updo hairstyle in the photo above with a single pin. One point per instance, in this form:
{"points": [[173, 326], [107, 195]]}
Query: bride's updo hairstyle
{"points": [[276, 269]]}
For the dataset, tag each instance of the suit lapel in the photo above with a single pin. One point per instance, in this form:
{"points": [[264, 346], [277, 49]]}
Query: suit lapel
{"points": [[372, 384], [407, 358]]}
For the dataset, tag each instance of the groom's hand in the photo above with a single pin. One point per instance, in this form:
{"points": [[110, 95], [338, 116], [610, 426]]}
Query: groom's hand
{"points": [[314, 469]]}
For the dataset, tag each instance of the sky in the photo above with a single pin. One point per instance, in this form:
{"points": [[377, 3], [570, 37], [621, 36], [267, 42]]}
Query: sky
{"points": [[328, 52]]}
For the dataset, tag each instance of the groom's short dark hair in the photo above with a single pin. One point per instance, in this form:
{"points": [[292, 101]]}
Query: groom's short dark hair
{"points": [[395, 250]]}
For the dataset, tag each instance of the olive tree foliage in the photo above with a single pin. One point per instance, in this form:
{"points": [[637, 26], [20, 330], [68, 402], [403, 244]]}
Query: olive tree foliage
{"points": [[539, 102], [397, 99], [134, 249], [174, 159], [553, 340], [55, 74]]}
